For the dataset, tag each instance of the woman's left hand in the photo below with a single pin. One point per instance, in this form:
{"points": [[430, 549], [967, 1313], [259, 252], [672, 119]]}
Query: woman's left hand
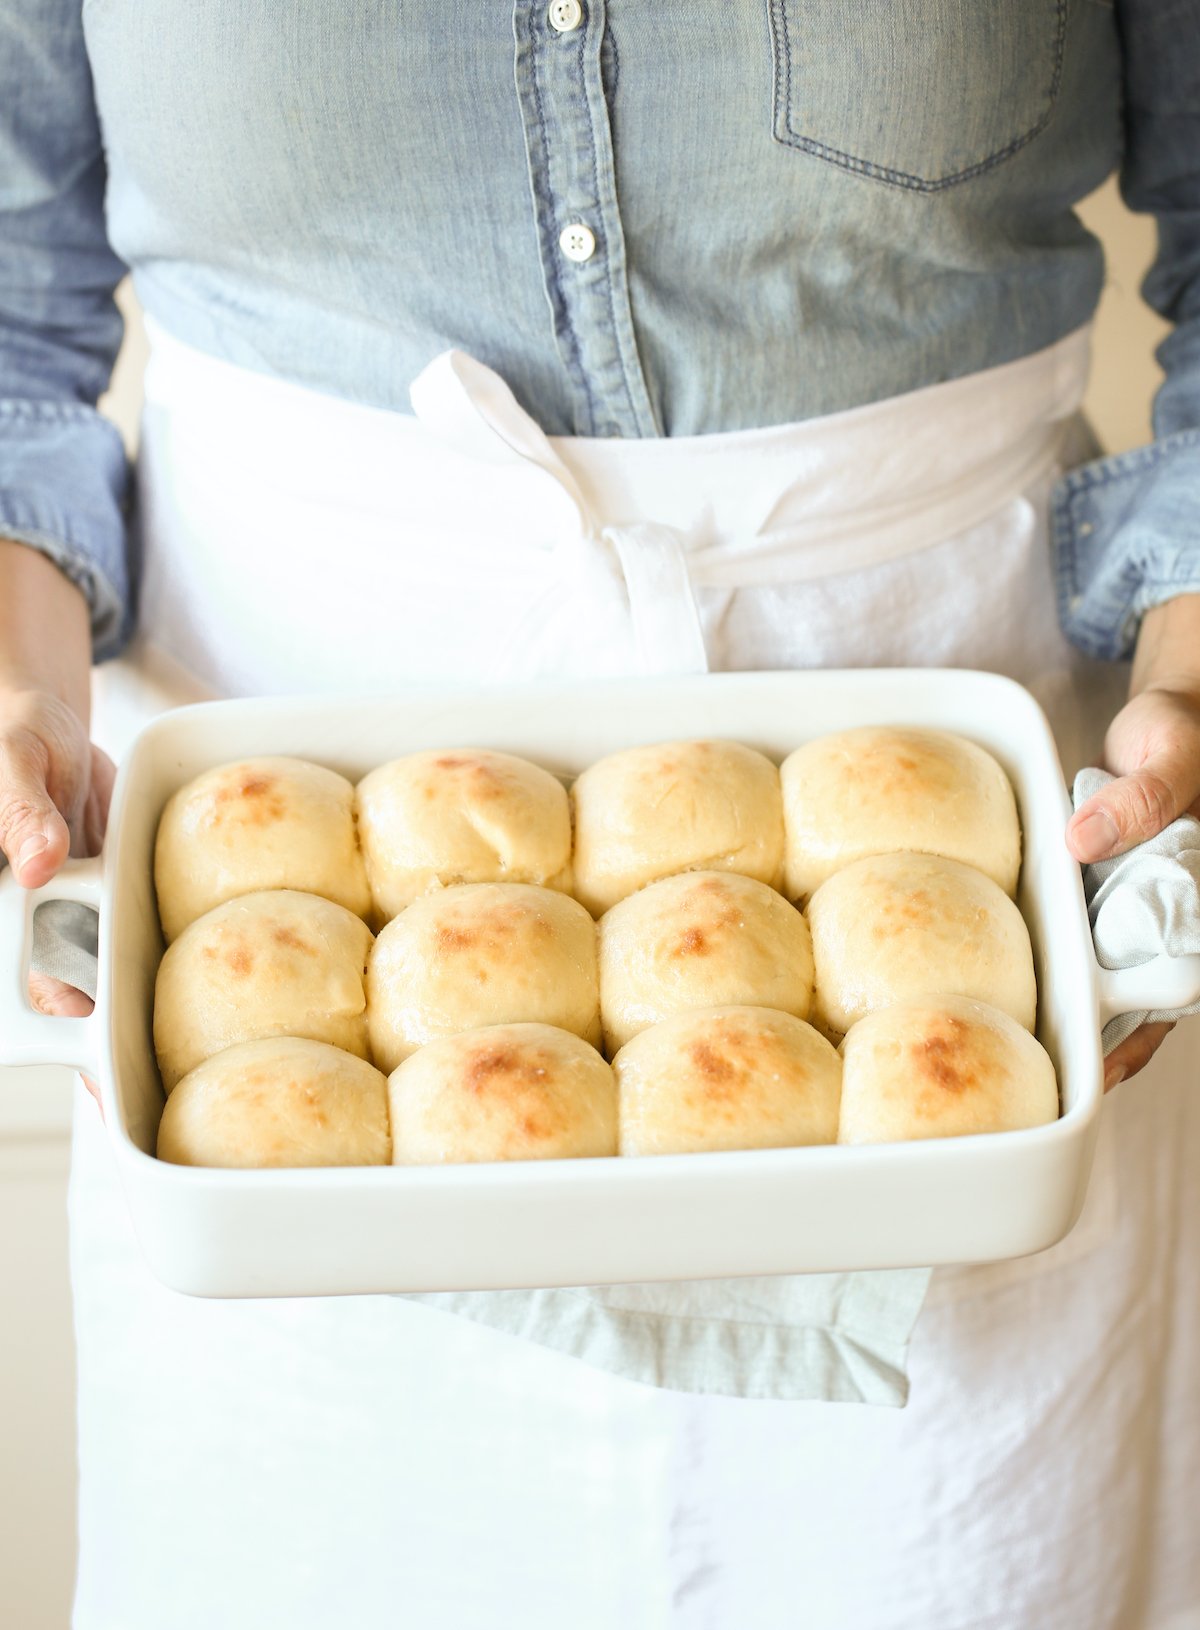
{"points": [[1153, 748]]}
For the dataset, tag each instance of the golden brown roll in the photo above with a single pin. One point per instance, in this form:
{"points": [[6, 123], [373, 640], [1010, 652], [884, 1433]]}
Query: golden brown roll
{"points": [[877, 789], [510, 1092], [685, 806], [894, 926], [942, 1067], [482, 954], [278, 1102], [263, 823], [726, 1078], [464, 815], [276, 963], [702, 939]]}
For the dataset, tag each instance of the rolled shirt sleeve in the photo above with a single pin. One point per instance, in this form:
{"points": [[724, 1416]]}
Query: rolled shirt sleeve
{"points": [[63, 471], [1127, 528]]}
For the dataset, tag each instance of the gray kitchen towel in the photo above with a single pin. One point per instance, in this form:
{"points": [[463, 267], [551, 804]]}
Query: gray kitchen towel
{"points": [[1143, 903], [64, 943], [824, 1337]]}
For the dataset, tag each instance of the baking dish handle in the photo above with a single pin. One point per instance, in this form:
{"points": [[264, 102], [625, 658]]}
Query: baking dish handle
{"points": [[27, 1037], [1164, 984]]}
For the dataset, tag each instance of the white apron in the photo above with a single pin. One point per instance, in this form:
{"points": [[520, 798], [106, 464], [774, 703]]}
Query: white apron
{"points": [[370, 1462]]}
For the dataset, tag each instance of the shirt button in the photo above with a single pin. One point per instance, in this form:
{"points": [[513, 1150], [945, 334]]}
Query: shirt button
{"points": [[577, 242], [565, 16]]}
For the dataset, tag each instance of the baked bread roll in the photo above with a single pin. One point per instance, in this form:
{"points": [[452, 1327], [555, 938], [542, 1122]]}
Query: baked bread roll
{"points": [[264, 823], [278, 1102], [464, 815], [726, 1078], [510, 1092], [894, 926], [703, 939], [277, 963], [683, 806], [878, 789], [482, 954], [942, 1067]]}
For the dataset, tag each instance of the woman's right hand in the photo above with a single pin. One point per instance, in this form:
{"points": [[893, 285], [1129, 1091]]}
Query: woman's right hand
{"points": [[54, 785], [55, 789]]}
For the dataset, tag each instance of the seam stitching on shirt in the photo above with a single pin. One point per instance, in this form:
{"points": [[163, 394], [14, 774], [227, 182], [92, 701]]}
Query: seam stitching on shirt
{"points": [[1150, 584], [1103, 619], [618, 326], [904, 178], [51, 412], [581, 380], [1120, 466]]}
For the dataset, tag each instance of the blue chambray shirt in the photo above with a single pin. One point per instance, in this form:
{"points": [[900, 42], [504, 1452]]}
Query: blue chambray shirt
{"points": [[652, 219]]}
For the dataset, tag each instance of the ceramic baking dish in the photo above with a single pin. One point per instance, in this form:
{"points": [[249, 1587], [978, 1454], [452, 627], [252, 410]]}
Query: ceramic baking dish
{"points": [[321, 1232]]}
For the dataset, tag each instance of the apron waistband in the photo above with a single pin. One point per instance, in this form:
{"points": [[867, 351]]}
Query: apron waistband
{"points": [[660, 519]]}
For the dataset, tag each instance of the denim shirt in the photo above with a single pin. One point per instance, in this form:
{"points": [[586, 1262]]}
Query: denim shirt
{"points": [[651, 219]]}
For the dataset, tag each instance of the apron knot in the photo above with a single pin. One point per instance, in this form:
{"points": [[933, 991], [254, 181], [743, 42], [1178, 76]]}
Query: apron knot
{"points": [[472, 409]]}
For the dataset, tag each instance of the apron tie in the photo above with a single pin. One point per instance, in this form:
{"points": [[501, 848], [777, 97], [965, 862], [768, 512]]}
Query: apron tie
{"points": [[471, 408], [662, 601], [520, 554]]}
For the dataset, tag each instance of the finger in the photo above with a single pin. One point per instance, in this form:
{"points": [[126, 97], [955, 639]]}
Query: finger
{"points": [[94, 1089], [48, 995], [33, 833], [1134, 807], [95, 812], [1134, 1053]]}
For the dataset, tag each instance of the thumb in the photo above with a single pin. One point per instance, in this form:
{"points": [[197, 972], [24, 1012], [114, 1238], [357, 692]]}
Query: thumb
{"points": [[1134, 807], [33, 834]]}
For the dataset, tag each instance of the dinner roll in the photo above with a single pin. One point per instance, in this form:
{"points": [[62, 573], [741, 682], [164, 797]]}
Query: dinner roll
{"points": [[894, 926], [680, 806], [877, 789], [264, 823], [463, 815], [941, 1067], [510, 1092], [703, 939], [278, 1102], [276, 963], [482, 954], [726, 1078]]}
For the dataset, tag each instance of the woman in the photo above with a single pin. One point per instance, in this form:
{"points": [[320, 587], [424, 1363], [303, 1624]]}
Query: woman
{"points": [[850, 226]]}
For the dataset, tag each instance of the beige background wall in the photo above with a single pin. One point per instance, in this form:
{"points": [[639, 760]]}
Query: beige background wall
{"points": [[1125, 374], [37, 1535]]}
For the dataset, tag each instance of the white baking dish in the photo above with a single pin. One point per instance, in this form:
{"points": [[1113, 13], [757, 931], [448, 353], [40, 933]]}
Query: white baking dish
{"points": [[321, 1232]]}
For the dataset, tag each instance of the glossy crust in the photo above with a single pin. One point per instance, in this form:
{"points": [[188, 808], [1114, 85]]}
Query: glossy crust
{"points": [[482, 954], [649, 812], [262, 823], [896, 926], [942, 1068], [277, 963], [510, 1092], [727, 1078], [702, 939], [879, 789], [279, 1102], [462, 815]]}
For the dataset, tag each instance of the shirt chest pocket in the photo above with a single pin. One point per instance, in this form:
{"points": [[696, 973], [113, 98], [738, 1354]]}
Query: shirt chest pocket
{"points": [[916, 93]]}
